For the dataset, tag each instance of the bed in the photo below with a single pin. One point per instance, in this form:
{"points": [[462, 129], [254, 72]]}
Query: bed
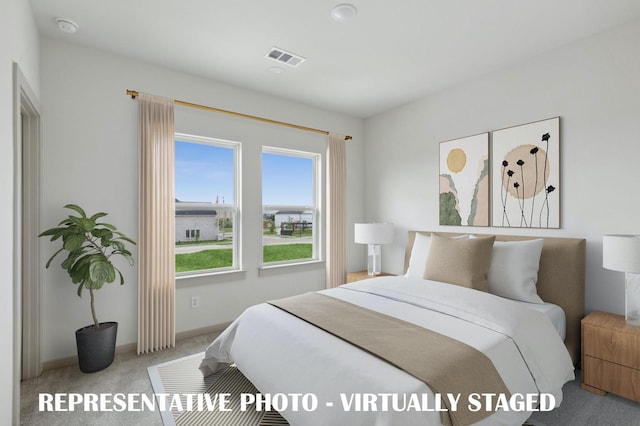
{"points": [[282, 354]]}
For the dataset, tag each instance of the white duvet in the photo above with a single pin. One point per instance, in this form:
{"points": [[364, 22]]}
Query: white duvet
{"points": [[282, 354]]}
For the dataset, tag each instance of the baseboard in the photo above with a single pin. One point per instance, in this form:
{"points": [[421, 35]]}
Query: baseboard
{"points": [[200, 331], [73, 360], [133, 347]]}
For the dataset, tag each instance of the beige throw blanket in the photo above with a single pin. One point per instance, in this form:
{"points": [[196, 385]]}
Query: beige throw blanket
{"points": [[446, 365]]}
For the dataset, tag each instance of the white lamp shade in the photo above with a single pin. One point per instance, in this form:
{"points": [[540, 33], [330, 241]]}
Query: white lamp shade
{"points": [[621, 253], [374, 233]]}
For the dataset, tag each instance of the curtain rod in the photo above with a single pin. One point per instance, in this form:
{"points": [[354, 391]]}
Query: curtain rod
{"points": [[134, 94]]}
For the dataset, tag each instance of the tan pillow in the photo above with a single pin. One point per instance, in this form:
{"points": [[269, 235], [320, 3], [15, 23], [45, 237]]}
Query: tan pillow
{"points": [[461, 262]]}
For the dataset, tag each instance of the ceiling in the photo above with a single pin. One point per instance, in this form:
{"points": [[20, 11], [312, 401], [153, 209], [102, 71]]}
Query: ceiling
{"points": [[392, 52]]}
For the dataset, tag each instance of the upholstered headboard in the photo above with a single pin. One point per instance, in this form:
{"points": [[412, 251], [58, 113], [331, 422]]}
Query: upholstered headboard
{"points": [[561, 278]]}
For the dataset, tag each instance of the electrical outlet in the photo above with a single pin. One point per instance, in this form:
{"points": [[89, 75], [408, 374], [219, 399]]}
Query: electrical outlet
{"points": [[195, 302]]}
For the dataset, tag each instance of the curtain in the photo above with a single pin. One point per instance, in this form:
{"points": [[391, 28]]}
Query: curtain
{"points": [[156, 224], [336, 211]]}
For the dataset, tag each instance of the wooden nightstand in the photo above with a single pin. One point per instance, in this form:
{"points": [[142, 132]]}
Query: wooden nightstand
{"points": [[610, 355], [363, 275]]}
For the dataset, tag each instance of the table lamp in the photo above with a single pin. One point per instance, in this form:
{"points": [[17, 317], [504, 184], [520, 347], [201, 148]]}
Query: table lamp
{"points": [[374, 234], [622, 253]]}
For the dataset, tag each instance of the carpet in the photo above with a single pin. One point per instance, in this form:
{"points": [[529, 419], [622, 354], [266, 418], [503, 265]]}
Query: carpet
{"points": [[583, 408], [182, 377]]}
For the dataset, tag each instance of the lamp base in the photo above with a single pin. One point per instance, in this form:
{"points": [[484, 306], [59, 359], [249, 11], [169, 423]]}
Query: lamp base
{"points": [[632, 298], [374, 260]]}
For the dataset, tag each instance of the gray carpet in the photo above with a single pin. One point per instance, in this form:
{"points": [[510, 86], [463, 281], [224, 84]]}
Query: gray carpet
{"points": [[127, 374], [583, 408]]}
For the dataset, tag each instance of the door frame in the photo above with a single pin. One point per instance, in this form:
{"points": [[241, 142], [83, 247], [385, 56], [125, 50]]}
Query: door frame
{"points": [[27, 291]]}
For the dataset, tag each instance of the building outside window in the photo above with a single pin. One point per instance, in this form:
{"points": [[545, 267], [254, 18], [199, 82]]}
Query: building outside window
{"points": [[290, 194], [207, 213]]}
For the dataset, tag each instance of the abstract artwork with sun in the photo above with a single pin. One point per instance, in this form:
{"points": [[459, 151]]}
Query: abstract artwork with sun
{"points": [[526, 175], [464, 181]]}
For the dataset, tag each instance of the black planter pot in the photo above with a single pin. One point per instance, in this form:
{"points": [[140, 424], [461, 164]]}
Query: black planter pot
{"points": [[96, 347]]}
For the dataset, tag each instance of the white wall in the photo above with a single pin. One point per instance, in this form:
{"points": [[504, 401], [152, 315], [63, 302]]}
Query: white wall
{"points": [[19, 44], [205, 228], [593, 85], [90, 158]]}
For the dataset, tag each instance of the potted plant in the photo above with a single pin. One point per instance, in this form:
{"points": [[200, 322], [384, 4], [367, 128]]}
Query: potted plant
{"points": [[90, 246]]}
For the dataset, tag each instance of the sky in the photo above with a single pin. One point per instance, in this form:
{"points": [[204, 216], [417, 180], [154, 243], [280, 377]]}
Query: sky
{"points": [[205, 172]]}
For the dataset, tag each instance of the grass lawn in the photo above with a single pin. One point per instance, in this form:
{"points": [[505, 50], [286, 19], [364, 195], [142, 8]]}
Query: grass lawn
{"points": [[221, 258], [206, 259], [280, 252]]}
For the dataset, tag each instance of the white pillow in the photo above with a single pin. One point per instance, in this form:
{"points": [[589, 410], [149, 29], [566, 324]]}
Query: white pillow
{"points": [[514, 270], [419, 254]]}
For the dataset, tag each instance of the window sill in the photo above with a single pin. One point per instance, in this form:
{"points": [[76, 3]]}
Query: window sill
{"points": [[208, 274], [266, 270]]}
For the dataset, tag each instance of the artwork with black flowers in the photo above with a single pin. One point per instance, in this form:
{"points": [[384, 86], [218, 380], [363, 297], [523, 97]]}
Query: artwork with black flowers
{"points": [[526, 175]]}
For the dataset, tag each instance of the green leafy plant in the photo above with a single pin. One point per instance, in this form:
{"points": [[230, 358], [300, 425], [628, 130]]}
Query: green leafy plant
{"points": [[90, 246]]}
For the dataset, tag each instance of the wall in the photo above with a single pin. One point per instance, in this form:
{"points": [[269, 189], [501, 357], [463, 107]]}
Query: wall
{"points": [[593, 85], [90, 158], [17, 25], [196, 228]]}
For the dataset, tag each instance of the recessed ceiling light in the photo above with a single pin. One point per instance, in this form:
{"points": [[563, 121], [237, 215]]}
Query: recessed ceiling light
{"points": [[66, 25], [344, 12]]}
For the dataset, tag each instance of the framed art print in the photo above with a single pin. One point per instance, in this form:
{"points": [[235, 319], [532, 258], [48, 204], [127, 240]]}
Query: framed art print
{"points": [[526, 175], [464, 181]]}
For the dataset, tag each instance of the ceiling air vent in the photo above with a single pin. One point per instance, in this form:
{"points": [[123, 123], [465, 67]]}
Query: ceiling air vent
{"points": [[285, 57]]}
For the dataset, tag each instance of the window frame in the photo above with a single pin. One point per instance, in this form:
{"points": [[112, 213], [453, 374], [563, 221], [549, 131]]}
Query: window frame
{"points": [[316, 209], [236, 206]]}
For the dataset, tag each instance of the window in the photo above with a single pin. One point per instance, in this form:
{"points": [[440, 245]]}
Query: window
{"points": [[190, 233], [207, 213], [290, 217]]}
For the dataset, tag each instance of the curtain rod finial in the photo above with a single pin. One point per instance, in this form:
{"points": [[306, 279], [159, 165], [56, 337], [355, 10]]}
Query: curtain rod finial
{"points": [[132, 93]]}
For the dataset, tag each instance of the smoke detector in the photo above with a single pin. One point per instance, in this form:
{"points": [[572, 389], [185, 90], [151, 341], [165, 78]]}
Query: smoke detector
{"points": [[344, 12], [285, 57], [66, 25]]}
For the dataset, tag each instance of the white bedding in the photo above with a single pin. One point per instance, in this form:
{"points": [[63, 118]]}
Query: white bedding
{"points": [[282, 354], [554, 312]]}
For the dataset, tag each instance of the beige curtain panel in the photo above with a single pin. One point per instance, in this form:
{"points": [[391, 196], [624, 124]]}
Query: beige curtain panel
{"points": [[156, 224], [336, 211]]}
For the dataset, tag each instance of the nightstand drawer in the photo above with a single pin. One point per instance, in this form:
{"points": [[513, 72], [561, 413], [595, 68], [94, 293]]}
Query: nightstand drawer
{"points": [[613, 345], [611, 377]]}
